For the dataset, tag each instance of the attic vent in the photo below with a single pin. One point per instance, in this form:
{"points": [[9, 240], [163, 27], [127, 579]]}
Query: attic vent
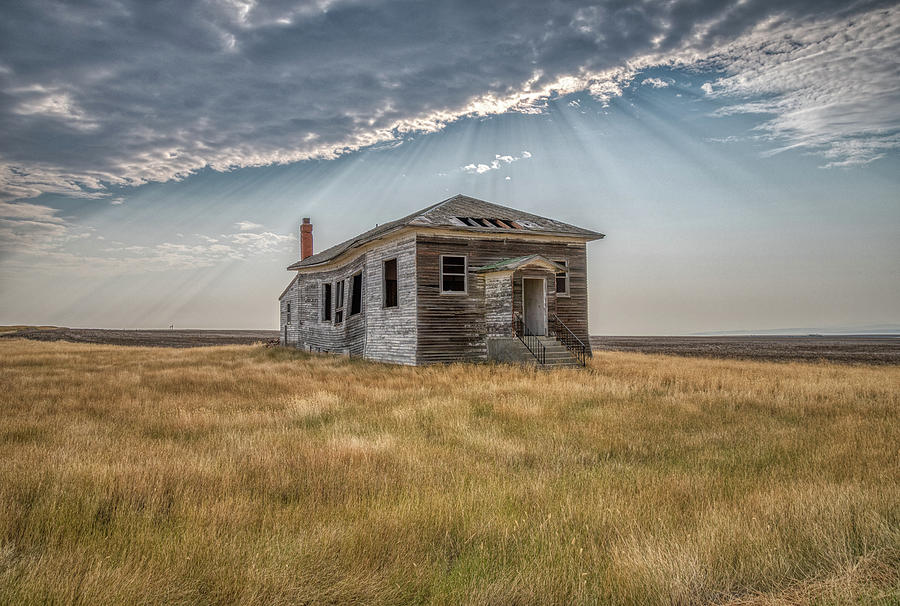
{"points": [[482, 222]]}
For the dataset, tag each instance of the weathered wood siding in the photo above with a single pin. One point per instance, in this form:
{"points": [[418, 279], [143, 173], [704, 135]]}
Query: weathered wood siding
{"points": [[453, 327], [573, 309], [316, 334], [291, 295], [377, 333], [498, 310], [391, 334]]}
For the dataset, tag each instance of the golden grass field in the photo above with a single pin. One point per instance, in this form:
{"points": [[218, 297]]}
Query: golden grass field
{"points": [[248, 475]]}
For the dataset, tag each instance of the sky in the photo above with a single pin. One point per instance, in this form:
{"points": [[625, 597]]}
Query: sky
{"points": [[741, 156]]}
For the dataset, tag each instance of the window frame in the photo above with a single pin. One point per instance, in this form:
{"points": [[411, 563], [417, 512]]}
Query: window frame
{"points": [[384, 284], [356, 294], [287, 313], [465, 275], [568, 291], [325, 311], [340, 299]]}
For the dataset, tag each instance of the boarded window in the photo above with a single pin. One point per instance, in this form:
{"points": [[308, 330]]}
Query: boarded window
{"points": [[339, 302], [356, 294], [390, 283], [326, 302], [288, 321], [562, 279], [453, 274]]}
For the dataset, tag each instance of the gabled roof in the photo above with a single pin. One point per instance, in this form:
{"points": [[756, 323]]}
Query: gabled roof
{"points": [[461, 213], [514, 264]]}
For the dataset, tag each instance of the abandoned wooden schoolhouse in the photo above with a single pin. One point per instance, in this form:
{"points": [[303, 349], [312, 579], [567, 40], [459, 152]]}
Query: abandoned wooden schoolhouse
{"points": [[461, 280]]}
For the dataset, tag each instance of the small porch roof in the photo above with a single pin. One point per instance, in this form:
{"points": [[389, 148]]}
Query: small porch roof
{"points": [[518, 262]]}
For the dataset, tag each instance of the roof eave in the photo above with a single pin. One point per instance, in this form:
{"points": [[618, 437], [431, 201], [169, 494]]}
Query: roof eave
{"points": [[359, 242], [288, 287]]}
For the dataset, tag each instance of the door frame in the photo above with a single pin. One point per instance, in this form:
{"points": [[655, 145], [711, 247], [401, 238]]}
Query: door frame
{"points": [[545, 322]]}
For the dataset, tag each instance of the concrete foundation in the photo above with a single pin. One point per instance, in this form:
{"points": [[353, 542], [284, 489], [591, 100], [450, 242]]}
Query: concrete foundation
{"points": [[508, 349]]}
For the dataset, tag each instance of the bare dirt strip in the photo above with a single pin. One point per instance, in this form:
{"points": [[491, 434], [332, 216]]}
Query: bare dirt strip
{"points": [[864, 349], [145, 338]]}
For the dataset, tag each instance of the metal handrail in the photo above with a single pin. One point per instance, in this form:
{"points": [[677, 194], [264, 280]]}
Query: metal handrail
{"points": [[530, 339], [570, 340]]}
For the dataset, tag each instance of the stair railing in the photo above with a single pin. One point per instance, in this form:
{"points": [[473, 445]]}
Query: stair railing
{"points": [[530, 339], [569, 340]]}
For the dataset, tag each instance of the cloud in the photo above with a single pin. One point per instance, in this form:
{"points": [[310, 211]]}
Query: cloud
{"points": [[247, 225], [55, 246], [39, 101], [28, 237], [832, 87], [27, 211], [655, 82], [318, 79], [36, 231], [206, 251], [498, 162], [29, 228]]}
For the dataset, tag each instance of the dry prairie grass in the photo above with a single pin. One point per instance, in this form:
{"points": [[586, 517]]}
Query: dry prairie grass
{"points": [[246, 475]]}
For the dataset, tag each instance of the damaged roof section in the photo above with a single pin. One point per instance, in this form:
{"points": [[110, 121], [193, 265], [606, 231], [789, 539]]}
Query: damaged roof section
{"points": [[516, 263], [480, 222], [461, 213]]}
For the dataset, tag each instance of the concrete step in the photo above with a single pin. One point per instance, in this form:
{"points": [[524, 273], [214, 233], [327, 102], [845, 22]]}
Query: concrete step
{"points": [[557, 350], [555, 354]]}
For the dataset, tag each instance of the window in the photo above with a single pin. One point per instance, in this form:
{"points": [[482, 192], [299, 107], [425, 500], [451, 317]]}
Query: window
{"points": [[453, 274], [288, 313], [562, 279], [326, 302], [390, 283], [356, 294], [339, 302]]}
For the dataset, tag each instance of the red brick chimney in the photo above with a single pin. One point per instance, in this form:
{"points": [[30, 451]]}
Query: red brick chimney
{"points": [[306, 248]]}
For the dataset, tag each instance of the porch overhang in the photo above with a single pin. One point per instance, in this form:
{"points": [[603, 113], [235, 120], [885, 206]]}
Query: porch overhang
{"points": [[511, 265]]}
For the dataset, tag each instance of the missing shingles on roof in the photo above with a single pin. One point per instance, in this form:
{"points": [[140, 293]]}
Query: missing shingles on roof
{"points": [[485, 222]]}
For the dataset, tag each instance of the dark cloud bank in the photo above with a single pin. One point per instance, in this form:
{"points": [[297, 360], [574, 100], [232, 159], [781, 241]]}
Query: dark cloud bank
{"points": [[96, 93]]}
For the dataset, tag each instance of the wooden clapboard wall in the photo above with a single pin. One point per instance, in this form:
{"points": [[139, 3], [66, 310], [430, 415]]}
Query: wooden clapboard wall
{"points": [[451, 327], [391, 331], [290, 297], [378, 333], [316, 334]]}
